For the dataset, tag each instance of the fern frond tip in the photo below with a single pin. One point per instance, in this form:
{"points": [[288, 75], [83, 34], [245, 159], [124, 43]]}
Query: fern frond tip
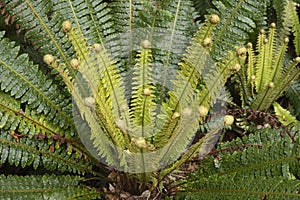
{"points": [[146, 44], [96, 47], [74, 63], [48, 59], [214, 19], [66, 26]]}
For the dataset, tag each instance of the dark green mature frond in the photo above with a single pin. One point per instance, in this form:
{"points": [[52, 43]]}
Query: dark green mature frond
{"points": [[266, 154], [241, 156], [25, 120], [295, 26], [293, 93], [237, 187], [43, 27], [44, 187], [283, 17], [288, 20], [202, 6], [238, 20], [26, 81], [23, 151], [91, 18]]}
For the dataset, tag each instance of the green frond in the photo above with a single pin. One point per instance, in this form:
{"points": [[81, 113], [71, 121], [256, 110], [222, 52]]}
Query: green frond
{"points": [[197, 54], [264, 155], [168, 25], [26, 82], [216, 76], [245, 73], [142, 103], [279, 152], [103, 106], [25, 120], [288, 20], [265, 50], [44, 187], [264, 99], [60, 69], [278, 60], [237, 187], [183, 129], [238, 20], [202, 6], [283, 17], [91, 18], [293, 93], [202, 148], [79, 43], [264, 76], [43, 27], [284, 115], [251, 67], [23, 151], [296, 26], [183, 97]]}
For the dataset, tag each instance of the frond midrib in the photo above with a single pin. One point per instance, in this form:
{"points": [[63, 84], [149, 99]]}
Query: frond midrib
{"points": [[205, 191], [18, 113], [58, 110], [48, 154]]}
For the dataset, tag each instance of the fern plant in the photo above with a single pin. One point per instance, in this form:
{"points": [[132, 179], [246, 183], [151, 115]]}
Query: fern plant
{"points": [[123, 85]]}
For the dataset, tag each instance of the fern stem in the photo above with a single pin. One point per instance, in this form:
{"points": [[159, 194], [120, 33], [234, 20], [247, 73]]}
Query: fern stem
{"points": [[188, 154]]}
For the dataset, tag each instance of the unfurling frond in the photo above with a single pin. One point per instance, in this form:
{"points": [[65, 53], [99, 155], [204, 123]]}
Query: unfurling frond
{"points": [[183, 101], [237, 20], [142, 103], [264, 59], [264, 76], [273, 90]]}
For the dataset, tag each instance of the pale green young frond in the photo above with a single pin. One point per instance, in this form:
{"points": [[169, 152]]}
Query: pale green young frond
{"points": [[284, 115]]}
